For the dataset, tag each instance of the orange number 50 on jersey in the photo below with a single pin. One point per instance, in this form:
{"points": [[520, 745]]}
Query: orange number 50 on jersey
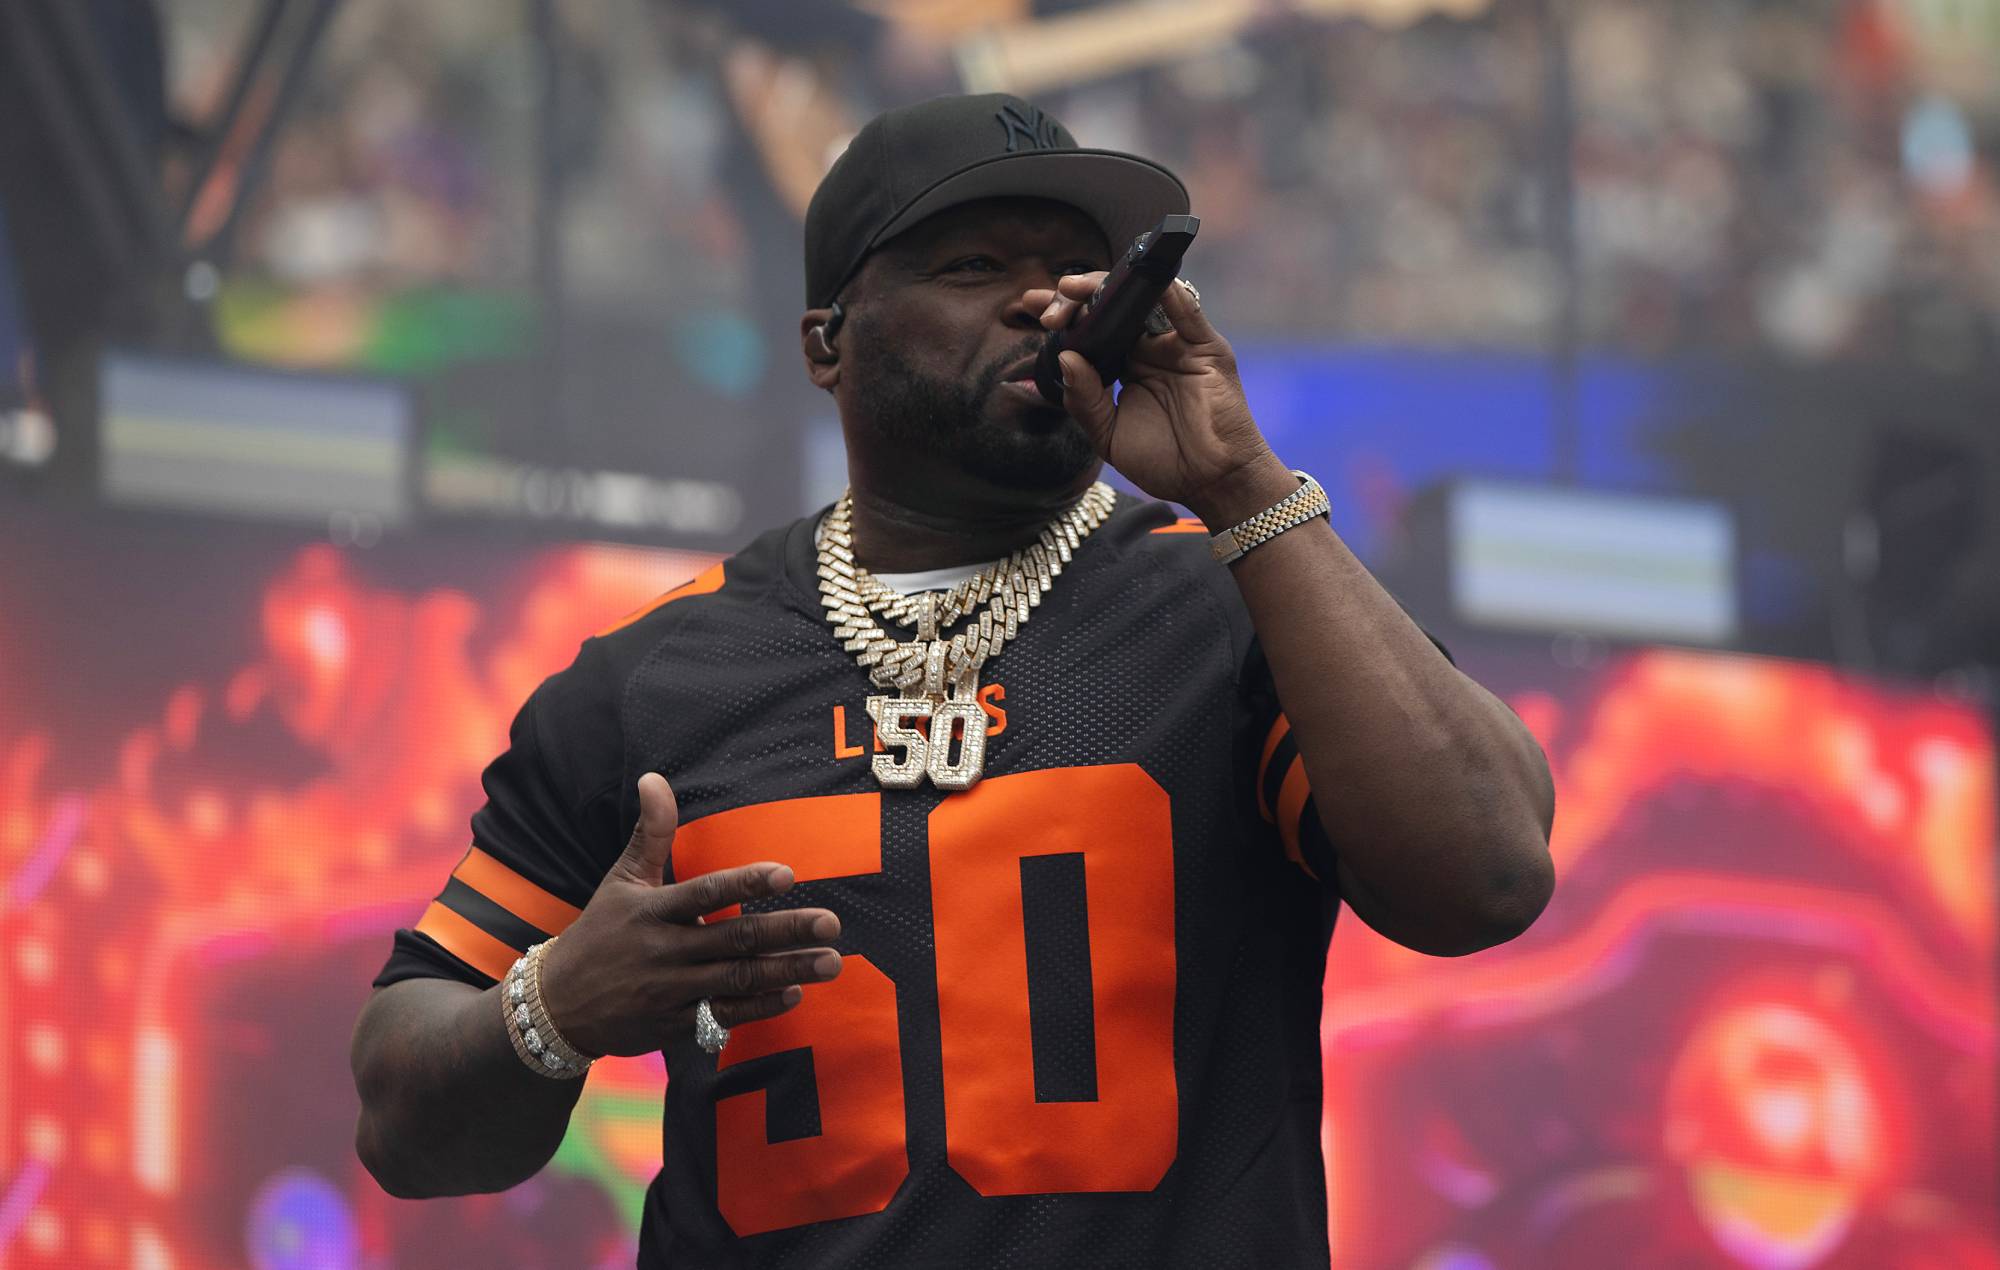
{"points": [[997, 1136]]}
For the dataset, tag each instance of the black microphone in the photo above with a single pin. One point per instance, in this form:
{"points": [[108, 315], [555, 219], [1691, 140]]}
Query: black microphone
{"points": [[1123, 306]]}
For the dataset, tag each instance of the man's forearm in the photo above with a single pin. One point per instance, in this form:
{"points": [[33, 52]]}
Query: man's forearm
{"points": [[1437, 798], [447, 1107]]}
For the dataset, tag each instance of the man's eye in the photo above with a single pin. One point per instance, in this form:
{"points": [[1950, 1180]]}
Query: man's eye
{"points": [[1080, 266], [973, 263]]}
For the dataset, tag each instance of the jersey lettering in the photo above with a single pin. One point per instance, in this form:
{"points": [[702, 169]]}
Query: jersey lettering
{"points": [[990, 698], [858, 1158], [998, 1136]]}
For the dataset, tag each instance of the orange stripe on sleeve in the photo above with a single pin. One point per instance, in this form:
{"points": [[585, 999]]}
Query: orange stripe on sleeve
{"points": [[1185, 525], [1278, 730], [515, 893], [1292, 797], [705, 583], [467, 942]]}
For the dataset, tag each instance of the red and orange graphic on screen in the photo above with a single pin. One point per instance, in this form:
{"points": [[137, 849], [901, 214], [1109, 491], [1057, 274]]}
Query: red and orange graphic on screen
{"points": [[190, 922], [1757, 1028]]}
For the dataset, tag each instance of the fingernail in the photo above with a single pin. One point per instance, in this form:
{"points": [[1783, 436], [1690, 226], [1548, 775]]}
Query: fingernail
{"points": [[780, 878], [826, 965], [1065, 372], [791, 995], [827, 927]]}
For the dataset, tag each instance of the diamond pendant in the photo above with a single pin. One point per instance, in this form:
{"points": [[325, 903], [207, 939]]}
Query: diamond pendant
{"points": [[956, 723]]}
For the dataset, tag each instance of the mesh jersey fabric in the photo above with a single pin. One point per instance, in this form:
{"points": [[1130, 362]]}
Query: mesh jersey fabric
{"points": [[1018, 1065]]}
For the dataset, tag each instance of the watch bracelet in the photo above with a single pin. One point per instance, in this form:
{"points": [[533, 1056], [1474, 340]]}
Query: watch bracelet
{"points": [[1305, 503]]}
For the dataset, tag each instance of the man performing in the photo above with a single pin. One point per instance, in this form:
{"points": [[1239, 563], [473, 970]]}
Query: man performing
{"points": [[985, 918]]}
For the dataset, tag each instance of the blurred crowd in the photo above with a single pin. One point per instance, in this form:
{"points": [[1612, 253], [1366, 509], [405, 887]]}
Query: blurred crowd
{"points": [[1805, 180], [1816, 179]]}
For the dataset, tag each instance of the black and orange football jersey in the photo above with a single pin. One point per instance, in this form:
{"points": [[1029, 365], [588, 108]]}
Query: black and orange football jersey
{"points": [[1078, 1019]]}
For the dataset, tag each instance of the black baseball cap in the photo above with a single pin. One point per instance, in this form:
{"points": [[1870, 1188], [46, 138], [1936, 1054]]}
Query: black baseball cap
{"points": [[915, 161]]}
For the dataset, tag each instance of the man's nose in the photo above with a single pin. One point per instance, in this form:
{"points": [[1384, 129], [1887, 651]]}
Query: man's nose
{"points": [[1019, 313]]}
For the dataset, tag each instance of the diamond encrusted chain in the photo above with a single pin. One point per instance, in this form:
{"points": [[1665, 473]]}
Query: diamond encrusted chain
{"points": [[936, 676]]}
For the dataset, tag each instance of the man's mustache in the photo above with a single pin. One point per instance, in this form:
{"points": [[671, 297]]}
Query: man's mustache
{"points": [[989, 377]]}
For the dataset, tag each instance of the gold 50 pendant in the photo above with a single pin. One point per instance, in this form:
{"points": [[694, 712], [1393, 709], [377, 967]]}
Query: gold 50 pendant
{"points": [[954, 725]]}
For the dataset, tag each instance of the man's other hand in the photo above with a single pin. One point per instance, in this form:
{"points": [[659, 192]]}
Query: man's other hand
{"points": [[626, 976]]}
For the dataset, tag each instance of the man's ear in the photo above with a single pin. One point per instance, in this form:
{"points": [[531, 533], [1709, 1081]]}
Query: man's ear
{"points": [[822, 354]]}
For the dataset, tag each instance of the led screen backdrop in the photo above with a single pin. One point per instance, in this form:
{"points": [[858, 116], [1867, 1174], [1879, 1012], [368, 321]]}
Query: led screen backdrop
{"points": [[1757, 1027]]}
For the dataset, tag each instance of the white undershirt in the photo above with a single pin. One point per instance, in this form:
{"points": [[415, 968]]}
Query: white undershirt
{"points": [[929, 579], [925, 580]]}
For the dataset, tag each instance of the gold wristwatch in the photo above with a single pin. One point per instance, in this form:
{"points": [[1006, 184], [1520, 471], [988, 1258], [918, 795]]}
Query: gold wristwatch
{"points": [[1289, 512]]}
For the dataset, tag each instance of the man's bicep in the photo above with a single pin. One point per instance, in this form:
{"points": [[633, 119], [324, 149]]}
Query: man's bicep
{"points": [[398, 1028], [392, 1007], [1280, 785]]}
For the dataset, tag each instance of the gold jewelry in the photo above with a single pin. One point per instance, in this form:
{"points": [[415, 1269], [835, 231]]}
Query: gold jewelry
{"points": [[1289, 512], [936, 676], [529, 1027]]}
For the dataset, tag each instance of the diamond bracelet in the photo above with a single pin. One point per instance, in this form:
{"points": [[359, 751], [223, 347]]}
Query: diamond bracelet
{"points": [[533, 1034]]}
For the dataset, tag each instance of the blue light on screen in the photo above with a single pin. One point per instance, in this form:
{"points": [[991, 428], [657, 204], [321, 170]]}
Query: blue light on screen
{"points": [[1375, 425]]}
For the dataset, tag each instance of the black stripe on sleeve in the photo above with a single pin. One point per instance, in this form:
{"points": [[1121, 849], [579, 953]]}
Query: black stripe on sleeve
{"points": [[489, 916], [1314, 848], [1275, 770]]}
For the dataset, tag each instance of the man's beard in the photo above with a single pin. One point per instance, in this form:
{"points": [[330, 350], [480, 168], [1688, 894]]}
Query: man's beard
{"points": [[1045, 450]]}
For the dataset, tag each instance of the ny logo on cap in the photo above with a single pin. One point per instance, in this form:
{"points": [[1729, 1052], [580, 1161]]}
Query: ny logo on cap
{"points": [[1027, 127]]}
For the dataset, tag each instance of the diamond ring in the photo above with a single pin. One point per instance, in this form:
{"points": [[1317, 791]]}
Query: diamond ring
{"points": [[1157, 322], [709, 1034]]}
